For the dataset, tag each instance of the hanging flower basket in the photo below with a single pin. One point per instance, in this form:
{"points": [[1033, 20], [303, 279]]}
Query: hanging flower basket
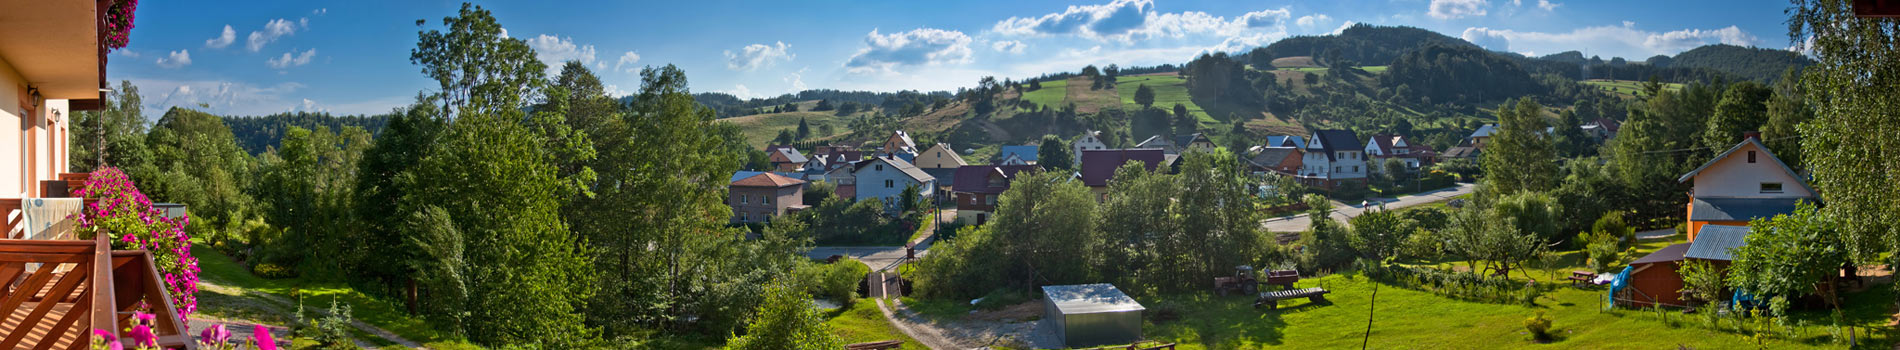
{"points": [[117, 209], [119, 24]]}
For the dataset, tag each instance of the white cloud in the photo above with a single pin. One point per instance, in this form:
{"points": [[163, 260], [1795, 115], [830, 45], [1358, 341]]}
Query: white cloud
{"points": [[288, 60], [224, 39], [219, 96], [504, 32], [320, 11], [1130, 20], [556, 51], [176, 60], [1609, 41], [1116, 18], [1343, 26], [274, 29], [797, 80], [741, 92], [1314, 21], [755, 56], [1010, 46], [311, 106], [1547, 5], [1455, 9], [922, 46], [627, 61]]}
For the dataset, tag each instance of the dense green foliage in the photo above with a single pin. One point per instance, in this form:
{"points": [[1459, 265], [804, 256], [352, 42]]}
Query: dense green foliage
{"points": [[1368, 44], [1759, 64], [786, 320], [1786, 257], [257, 134], [1469, 75], [1848, 143]]}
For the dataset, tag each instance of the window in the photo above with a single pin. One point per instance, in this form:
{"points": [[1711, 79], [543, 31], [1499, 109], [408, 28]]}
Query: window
{"points": [[765, 217], [989, 199], [1355, 168], [1339, 169], [1771, 187], [764, 199], [880, 167], [1101, 198], [1751, 156], [887, 183], [744, 200], [742, 216]]}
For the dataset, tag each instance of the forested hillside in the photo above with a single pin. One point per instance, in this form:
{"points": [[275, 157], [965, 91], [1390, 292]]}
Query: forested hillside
{"points": [[1363, 43], [1762, 65], [256, 134]]}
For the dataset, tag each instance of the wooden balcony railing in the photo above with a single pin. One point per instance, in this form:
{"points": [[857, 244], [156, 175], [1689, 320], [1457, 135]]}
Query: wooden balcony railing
{"points": [[54, 292]]}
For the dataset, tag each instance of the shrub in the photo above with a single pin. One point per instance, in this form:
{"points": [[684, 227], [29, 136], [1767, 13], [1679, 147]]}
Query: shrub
{"points": [[1461, 285], [329, 332], [1538, 326], [273, 271], [838, 281], [129, 221]]}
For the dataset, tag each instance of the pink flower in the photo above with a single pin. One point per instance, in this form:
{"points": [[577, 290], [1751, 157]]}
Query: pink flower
{"points": [[214, 335], [261, 336], [142, 334]]}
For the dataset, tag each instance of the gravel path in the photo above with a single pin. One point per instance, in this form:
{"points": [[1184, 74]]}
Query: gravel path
{"points": [[277, 305]]}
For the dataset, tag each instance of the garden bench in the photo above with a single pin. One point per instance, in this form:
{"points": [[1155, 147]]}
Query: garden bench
{"points": [[1272, 299], [1579, 278]]}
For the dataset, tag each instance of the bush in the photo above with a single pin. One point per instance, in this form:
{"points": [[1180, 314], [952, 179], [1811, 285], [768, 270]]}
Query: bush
{"points": [[1462, 285], [273, 271], [1538, 326], [837, 281]]}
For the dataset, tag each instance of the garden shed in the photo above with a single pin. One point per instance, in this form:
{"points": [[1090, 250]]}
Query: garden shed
{"points": [[1092, 314], [1653, 279]]}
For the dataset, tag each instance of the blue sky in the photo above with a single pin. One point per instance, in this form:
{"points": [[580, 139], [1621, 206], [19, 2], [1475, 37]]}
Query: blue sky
{"points": [[260, 57]]}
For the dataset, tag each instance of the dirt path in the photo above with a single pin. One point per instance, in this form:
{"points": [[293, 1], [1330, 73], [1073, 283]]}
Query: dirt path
{"points": [[278, 305], [928, 336]]}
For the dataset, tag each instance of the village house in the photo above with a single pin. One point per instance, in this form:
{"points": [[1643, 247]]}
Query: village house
{"points": [[1333, 158], [978, 187], [1282, 160], [1603, 129], [1165, 144], [1091, 140], [1744, 183], [1195, 142], [887, 177], [900, 145], [1388, 146], [1294, 141], [1017, 155], [762, 196], [941, 161], [786, 158], [1098, 166]]}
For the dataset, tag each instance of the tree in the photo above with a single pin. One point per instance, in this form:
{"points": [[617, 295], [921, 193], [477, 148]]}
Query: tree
{"points": [[1054, 155], [1184, 122], [1377, 234], [479, 70], [1846, 144], [1394, 171], [1044, 224], [1740, 110], [804, 129], [1518, 157], [1568, 138], [113, 135], [823, 105], [1144, 96], [1787, 109], [786, 320], [1785, 257], [785, 137], [1531, 214]]}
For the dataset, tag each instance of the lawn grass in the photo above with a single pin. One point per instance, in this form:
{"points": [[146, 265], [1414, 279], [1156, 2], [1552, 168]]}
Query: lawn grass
{"points": [[759, 129], [1050, 95], [863, 323], [1170, 89], [1374, 69], [217, 268], [1627, 87], [929, 220]]}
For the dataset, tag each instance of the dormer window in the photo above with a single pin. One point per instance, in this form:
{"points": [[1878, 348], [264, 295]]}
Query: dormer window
{"points": [[1770, 187], [1751, 160]]}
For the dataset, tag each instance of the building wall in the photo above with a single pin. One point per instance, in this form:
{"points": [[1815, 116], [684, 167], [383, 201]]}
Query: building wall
{"points": [[1351, 164], [972, 205], [748, 200], [1087, 142], [1659, 281], [12, 140], [871, 183], [937, 157], [1735, 177]]}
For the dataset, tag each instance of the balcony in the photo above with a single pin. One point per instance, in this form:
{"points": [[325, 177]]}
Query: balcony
{"points": [[55, 289]]}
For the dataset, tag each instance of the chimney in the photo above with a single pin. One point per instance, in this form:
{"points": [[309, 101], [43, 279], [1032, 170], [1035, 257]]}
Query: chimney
{"points": [[1751, 135]]}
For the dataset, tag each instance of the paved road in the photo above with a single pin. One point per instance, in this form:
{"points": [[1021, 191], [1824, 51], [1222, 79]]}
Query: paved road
{"points": [[1343, 211], [879, 258]]}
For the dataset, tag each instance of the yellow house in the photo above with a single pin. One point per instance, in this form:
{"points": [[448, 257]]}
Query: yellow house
{"points": [[939, 156], [1745, 183]]}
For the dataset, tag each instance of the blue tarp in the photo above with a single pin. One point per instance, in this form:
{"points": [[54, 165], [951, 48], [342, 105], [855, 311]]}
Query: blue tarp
{"points": [[1622, 280]]}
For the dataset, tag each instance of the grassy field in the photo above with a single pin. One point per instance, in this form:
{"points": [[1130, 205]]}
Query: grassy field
{"points": [[863, 323], [759, 129], [1051, 94], [220, 269], [1410, 319], [1627, 87], [1169, 89]]}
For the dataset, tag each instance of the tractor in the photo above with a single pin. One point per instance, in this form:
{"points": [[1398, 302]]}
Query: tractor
{"points": [[1242, 281]]}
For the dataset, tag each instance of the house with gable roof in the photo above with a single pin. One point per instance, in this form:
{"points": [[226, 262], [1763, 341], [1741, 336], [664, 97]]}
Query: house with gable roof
{"points": [[979, 186], [886, 177], [1746, 182], [786, 159], [1017, 155], [941, 161], [1333, 158], [1388, 146], [900, 145], [1091, 140], [760, 196], [1098, 166]]}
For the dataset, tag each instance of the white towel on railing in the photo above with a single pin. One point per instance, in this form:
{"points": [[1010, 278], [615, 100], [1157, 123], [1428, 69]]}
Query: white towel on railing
{"points": [[50, 218]]}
